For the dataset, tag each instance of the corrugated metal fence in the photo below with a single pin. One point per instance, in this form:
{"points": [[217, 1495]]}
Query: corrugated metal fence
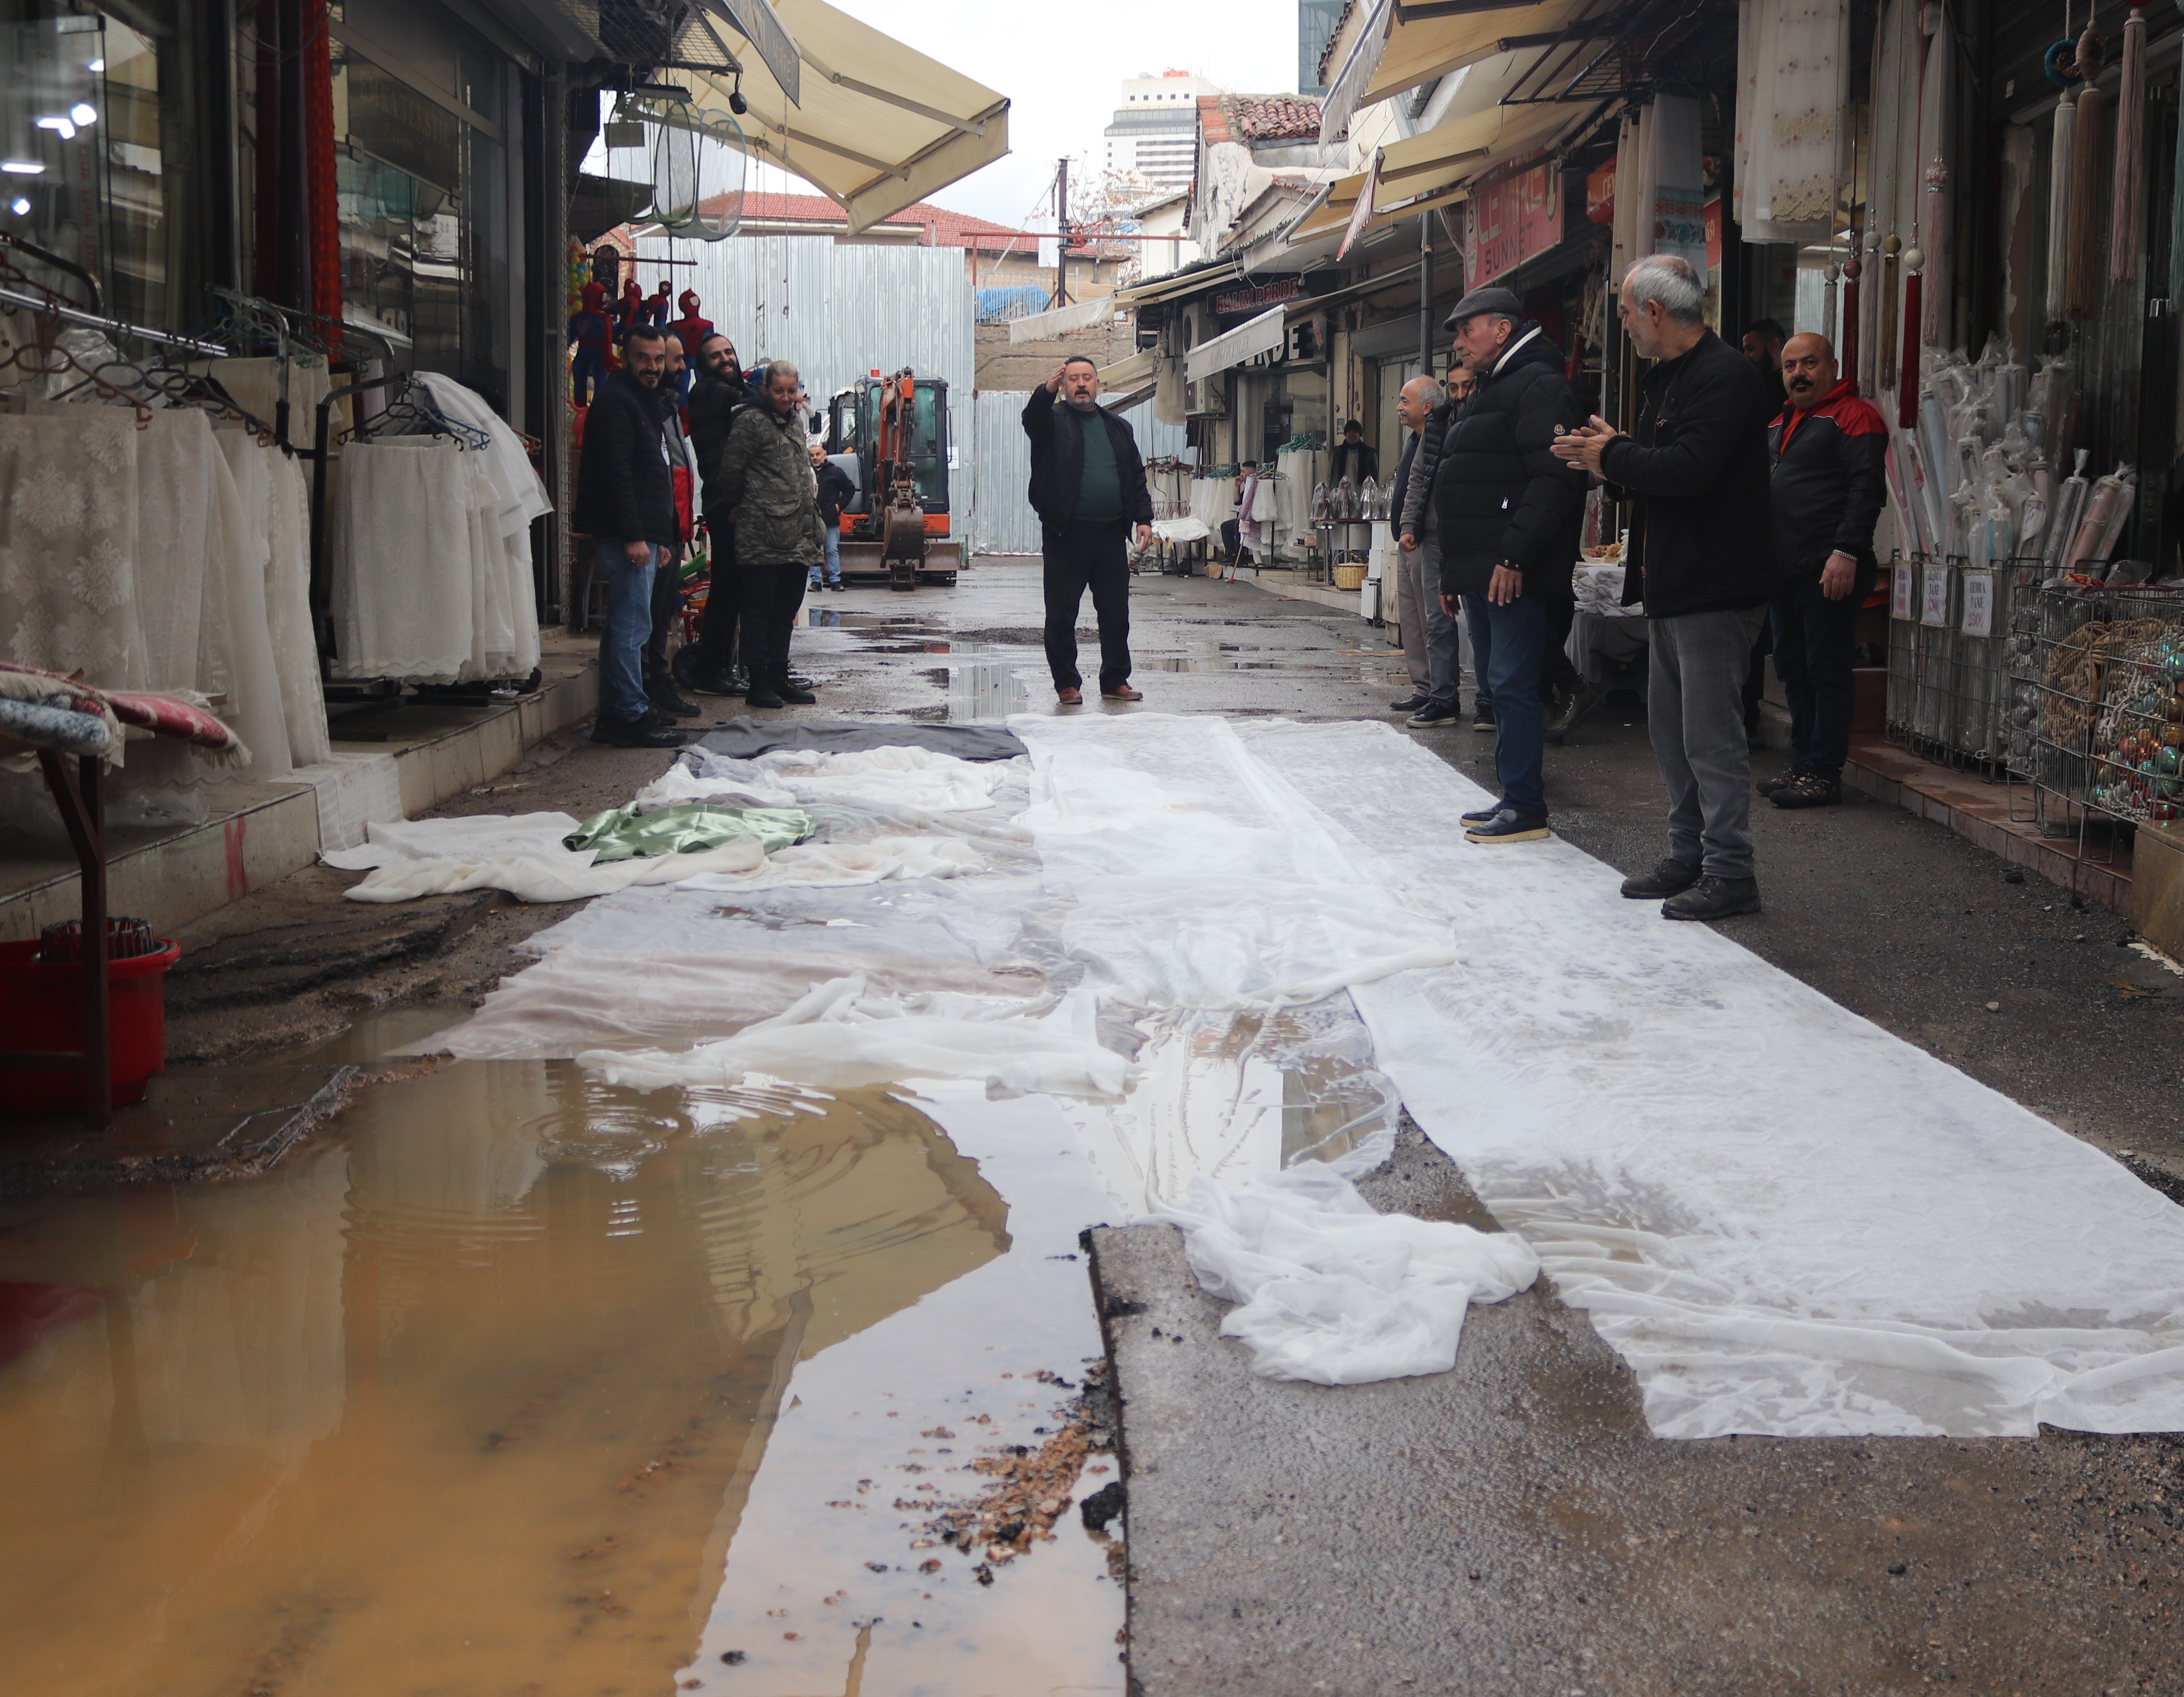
{"points": [[841, 309], [1002, 521]]}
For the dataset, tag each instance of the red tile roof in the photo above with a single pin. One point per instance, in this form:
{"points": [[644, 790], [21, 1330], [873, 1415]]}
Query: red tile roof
{"points": [[942, 228], [1272, 117]]}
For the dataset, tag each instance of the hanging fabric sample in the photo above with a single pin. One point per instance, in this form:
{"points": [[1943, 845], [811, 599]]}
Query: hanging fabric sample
{"points": [[68, 545], [1672, 204], [402, 588]]}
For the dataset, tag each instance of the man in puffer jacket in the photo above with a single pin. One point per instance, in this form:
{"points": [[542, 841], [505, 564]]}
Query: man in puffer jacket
{"points": [[765, 474], [1509, 513]]}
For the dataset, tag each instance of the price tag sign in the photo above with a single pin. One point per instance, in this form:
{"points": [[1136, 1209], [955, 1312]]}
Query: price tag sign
{"points": [[1978, 604], [1903, 597], [1936, 611]]}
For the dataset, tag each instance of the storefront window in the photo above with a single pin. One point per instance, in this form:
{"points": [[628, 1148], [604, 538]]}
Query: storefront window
{"points": [[99, 133]]}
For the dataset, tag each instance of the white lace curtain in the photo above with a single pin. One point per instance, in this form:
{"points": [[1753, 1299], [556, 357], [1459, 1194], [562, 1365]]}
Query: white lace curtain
{"points": [[1792, 105]]}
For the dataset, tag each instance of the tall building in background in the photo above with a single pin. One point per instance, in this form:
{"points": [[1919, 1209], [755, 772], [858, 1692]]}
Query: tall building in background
{"points": [[1155, 134], [1316, 23]]}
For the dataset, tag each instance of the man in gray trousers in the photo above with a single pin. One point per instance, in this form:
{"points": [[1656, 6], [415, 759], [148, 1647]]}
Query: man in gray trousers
{"points": [[1701, 557], [1429, 635]]}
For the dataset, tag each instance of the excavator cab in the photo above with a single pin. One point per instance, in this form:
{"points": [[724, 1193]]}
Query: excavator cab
{"points": [[895, 428]]}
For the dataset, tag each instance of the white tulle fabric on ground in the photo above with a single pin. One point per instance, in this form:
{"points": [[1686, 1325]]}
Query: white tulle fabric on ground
{"points": [[839, 1037], [1330, 1290], [523, 855], [1888, 1249]]}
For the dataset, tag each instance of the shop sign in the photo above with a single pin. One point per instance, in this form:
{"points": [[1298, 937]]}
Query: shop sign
{"points": [[1903, 592], [1978, 604], [1512, 221], [1935, 611], [1600, 193], [1714, 233], [1259, 296]]}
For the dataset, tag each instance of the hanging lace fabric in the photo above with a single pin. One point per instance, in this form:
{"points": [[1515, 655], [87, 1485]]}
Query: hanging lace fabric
{"points": [[1630, 174], [402, 595], [1794, 68]]}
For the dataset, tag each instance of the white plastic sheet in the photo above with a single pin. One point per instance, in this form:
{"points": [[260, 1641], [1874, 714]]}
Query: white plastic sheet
{"points": [[1331, 1291], [838, 1037]]}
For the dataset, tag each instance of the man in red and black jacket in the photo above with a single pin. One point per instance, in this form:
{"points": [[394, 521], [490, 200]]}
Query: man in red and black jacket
{"points": [[1829, 451]]}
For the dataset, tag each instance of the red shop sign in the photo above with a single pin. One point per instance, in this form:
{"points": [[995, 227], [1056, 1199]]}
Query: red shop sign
{"points": [[1512, 221]]}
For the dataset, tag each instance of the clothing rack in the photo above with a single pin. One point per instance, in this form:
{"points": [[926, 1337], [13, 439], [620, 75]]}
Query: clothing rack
{"points": [[413, 404], [47, 306]]}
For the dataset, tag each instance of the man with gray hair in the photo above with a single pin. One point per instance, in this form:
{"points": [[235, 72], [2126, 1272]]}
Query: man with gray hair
{"points": [[1701, 557], [765, 475], [1430, 636]]}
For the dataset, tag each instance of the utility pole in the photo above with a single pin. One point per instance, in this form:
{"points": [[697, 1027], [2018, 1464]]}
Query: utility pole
{"points": [[1425, 293], [1061, 235]]}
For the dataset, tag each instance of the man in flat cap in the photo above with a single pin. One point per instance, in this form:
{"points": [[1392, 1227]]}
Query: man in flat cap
{"points": [[1509, 511]]}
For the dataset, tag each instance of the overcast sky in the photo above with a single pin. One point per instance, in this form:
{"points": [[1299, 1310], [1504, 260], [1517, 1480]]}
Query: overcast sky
{"points": [[1060, 65]]}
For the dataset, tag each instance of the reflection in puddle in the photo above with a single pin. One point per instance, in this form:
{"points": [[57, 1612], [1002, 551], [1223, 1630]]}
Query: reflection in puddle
{"points": [[384, 1032], [986, 689], [476, 1401]]}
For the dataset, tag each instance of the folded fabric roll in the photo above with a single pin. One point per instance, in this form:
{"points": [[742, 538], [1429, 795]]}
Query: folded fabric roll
{"points": [[36, 725], [687, 827], [171, 716], [51, 690]]}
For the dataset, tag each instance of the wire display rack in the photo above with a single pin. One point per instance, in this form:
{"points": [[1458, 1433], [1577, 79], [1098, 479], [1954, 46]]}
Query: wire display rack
{"points": [[1951, 636]]}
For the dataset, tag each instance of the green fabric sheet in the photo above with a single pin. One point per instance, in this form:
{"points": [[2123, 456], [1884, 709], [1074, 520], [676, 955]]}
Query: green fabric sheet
{"points": [[688, 828]]}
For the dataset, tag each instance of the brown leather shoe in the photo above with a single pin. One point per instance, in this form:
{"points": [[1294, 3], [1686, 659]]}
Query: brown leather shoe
{"points": [[1069, 698], [1122, 692]]}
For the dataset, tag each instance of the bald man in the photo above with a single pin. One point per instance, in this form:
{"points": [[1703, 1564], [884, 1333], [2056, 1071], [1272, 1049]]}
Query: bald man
{"points": [[1429, 636], [1828, 451]]}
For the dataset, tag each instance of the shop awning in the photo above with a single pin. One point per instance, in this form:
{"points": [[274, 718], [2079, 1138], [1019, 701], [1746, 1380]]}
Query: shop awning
{"points": [[1267, 333], [1060, 321], [1129, 374], [871, 122], [1435, 168], [1177, 284], [1397, 48]]}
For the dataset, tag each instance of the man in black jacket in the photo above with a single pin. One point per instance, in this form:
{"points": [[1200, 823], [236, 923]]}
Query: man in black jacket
{"points": [[626, 503], [1353, 458], [1830, 451], [1088, 485], [835, 492], [714, 397], [1701, 557], [1509, 513]]}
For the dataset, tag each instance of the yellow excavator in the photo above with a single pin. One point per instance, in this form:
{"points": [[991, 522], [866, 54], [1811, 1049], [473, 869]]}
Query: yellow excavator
{"points": [[890, 434]]}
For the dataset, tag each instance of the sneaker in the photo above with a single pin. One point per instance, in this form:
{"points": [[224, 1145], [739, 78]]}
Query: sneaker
{"points": [[1768, 786], [635, 733], [1669, 877], [1436, 716], [1485, 815], [1121, 692], [1483, 719], [1715, 898], [838, 586], [799, 681], [1572, 711], [1410, 703], [1808, 789], [1508, 827], [795, 693], [1069, 698], [762, 696]]}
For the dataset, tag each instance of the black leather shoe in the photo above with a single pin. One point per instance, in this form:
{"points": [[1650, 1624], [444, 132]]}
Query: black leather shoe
{"points": [[762, 696], [1715, 898], [669, 705], [794, 694], [1669, 877], [1410, 703], [635, 733], [1430, 716], [733, 684], [1572, 711], [1484, 816], [1505, 826], [1482, 719]]}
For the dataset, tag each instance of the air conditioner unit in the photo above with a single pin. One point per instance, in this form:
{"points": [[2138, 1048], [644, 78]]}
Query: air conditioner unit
{"points": [[1209, 398]]}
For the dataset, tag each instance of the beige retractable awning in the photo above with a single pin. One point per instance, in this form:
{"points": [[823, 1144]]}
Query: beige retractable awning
{"points": [[1267, 333], [1417, 53], [875, 125], [1178, 284], [1432, 169]]}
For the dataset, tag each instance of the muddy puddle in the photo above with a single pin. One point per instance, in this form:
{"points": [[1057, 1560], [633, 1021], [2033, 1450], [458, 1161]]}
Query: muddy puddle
{"points": [[524, 1384]]}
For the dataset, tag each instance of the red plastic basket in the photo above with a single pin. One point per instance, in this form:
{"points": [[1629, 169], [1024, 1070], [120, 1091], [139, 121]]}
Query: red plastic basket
{"points": [[41, 1008]]}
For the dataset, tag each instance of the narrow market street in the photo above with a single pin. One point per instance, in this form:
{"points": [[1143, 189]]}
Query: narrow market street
{"points": [[511, 1376]]}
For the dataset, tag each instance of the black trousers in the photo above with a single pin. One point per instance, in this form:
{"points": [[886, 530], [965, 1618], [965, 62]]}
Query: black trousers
{"points": [[1086, 557], [717, 638], [770, 596], [666, 597], [1815, 651]]}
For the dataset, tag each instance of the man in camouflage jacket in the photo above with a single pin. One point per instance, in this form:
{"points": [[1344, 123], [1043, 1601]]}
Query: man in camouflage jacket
{"points": [[764, 472]]}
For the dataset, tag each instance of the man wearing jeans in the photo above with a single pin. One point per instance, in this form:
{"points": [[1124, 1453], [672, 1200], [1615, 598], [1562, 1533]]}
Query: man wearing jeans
{"points": [[1509, 513], [626, 503], [1702, 558]]}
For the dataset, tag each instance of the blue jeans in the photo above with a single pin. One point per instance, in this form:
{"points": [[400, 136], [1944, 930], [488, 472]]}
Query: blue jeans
{"points": [[831, 537], [629, 623], [1516, 639], [1480, 629]]}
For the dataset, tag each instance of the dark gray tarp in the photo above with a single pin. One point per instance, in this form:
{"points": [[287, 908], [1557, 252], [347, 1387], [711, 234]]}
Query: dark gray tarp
{"points": [[746, 739]]}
